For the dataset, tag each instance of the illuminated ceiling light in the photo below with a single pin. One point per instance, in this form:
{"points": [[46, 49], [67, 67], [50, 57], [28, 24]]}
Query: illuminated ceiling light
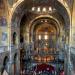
{"points": [[33, 8], [39, 37], [45, 20], [38, 9], [44, 9], [50, 8], [46, 37], [41, 20], [46, 44]]}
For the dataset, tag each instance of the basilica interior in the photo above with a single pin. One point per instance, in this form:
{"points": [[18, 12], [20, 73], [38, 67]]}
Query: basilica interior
{"points": [[37, 37]]}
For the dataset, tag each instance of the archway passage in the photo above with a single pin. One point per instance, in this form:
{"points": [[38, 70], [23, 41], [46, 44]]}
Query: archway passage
{"points": [[45, 35], [43, 32], [43, 38], [5, 66]]}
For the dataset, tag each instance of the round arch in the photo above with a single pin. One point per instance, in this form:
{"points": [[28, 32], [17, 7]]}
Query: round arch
{"points": [[20, 10], [57, 24], [5, 65], [14, 38], [20, 2]]}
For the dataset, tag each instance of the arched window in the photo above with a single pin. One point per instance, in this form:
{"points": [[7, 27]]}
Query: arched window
{"points": [[5, 66], [21, 39], [14, 38]]}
